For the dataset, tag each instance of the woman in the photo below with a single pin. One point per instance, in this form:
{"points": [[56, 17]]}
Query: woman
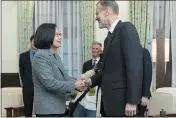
{"points": [[51, 82]]}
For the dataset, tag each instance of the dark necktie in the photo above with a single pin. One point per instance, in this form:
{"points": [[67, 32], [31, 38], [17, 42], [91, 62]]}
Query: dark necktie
{"points": [[94, 63], [107, 40]]}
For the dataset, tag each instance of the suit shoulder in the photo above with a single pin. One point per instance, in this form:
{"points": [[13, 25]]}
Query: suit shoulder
{"points": [[40, 57], [24, 53], [88, 61], [42, 54], [128, 25], [146, 51]]}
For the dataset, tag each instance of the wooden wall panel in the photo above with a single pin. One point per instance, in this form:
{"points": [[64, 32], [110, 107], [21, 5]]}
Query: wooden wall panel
{"points": [[160, 63]]}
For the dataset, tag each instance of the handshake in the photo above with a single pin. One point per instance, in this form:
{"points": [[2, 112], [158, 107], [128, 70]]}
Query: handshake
{"points": [[83, 83]]}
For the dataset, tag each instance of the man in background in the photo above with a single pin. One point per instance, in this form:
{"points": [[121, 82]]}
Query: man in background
{"points": [[26, 77], [87, 106], [147, 79]]}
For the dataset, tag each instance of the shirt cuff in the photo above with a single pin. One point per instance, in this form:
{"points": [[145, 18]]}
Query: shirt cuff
{"points": [[90, 82]]}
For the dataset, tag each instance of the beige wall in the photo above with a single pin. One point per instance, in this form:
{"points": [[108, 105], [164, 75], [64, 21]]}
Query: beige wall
{"points": [[123, 14], [9, 37], [9, 33]]}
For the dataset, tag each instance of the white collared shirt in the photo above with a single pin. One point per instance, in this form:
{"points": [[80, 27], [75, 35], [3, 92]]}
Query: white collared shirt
{"points": [[97, 60], [111, 29], [89, 102]]}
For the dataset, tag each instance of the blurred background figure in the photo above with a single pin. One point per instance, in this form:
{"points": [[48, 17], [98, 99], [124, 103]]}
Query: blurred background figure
{"points": [[26, 77]]}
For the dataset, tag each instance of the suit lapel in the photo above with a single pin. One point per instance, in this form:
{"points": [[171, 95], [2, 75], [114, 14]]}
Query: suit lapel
{"points": [[58, 62], [110, 40], [90, 64]]}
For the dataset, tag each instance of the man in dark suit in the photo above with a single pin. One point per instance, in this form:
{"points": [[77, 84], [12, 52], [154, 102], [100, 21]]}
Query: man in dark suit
{"points": [[122, 71], [87, 106], [147, 78], [90, 64], [26, 77]]}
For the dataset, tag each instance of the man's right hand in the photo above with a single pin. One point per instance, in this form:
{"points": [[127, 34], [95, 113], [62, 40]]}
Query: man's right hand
{"points": [[86, 80], [130, 109], [144, 101]]}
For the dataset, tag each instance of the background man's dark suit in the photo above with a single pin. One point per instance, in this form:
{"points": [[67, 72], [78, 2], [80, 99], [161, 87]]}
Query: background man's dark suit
{"points": [[147, 78], [28, 87], [122, 72], [147, 73], [87, 66]]}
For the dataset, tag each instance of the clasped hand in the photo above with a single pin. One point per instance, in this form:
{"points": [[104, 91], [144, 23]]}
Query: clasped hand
{"points": [[82, 83]]}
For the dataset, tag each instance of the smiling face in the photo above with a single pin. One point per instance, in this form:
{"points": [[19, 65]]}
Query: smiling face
{"points": [[101, 16], [57, 39], [95, 49]]}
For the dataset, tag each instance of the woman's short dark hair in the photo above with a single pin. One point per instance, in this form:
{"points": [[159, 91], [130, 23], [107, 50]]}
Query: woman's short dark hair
{"points": [[44, 36]]}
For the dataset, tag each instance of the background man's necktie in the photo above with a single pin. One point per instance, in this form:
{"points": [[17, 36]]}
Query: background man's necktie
{"points": [[94, 62]]}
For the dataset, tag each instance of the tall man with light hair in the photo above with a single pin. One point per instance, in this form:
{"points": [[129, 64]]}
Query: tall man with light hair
{"points": [[122, 70]]}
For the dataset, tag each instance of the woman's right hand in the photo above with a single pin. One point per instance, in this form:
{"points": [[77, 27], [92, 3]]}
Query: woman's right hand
{"points": [[80, 85]]}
